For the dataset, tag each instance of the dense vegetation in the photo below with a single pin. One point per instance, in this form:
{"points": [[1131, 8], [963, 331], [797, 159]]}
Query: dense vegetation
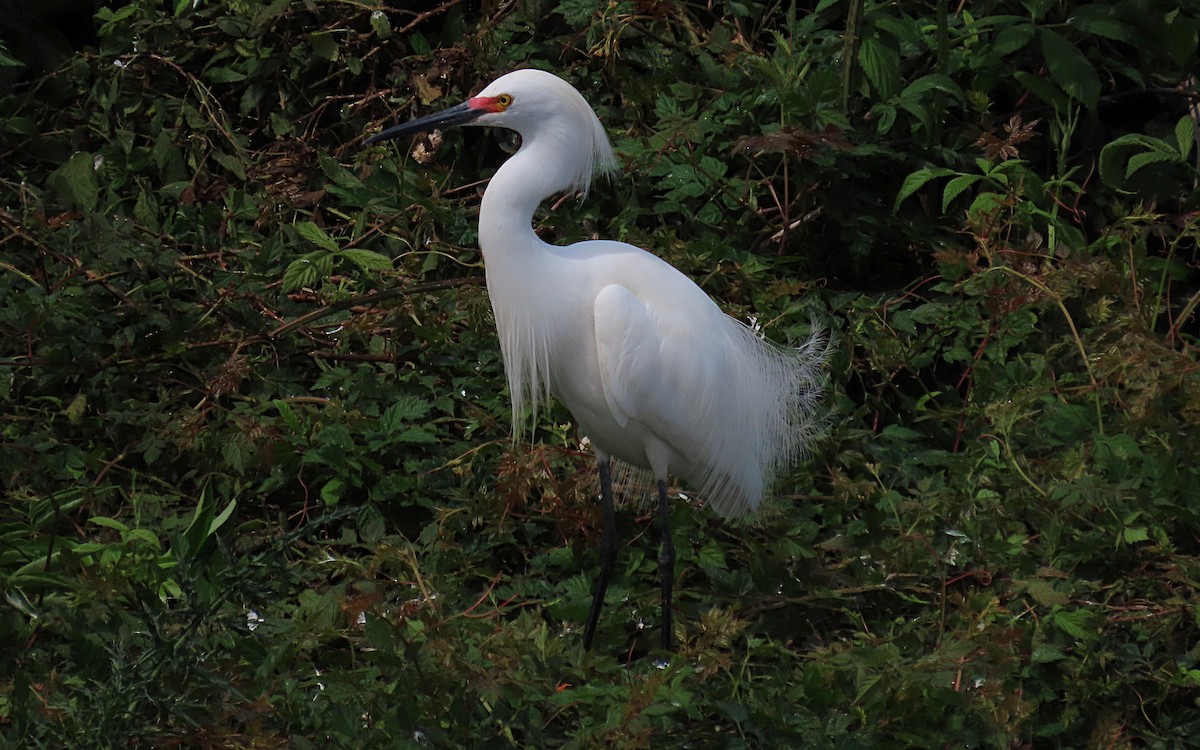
{"points": [[258, 484]]}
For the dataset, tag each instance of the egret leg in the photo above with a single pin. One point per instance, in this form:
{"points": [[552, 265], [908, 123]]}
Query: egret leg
{"points": [[608, 553], [666, 563]]}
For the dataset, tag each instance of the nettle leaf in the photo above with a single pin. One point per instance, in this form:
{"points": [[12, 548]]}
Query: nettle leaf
{"points": [[917, 180], [1070, 68], [317, 236], [955, 187]]}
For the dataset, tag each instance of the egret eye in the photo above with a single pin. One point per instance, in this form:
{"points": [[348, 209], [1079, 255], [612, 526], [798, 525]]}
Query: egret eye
{"points": [[504, 100]]}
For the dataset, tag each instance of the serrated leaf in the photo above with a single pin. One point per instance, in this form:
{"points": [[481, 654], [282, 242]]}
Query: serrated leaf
{"points": [[1012, 38], [300, 273], [1146, 158], [579, 12], [371, 524], [1046, 653], [1070, 68], [917, 180], [405, 409], [230, 162], [986, 204], [368, 260], [710, 557], [1185, 135], [1073, 623], [955, 187], [74, 182], [317, 236], [881, 65], [417, 435]]}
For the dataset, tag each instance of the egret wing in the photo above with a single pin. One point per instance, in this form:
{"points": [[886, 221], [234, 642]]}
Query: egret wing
{"points": [[647, 365]]}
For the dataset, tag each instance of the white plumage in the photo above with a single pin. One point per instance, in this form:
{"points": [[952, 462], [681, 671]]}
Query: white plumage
{"points": [[651, 369]]}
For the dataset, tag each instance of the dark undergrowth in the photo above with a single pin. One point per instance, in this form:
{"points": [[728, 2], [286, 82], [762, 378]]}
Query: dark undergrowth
{"points": [[258, 485]]}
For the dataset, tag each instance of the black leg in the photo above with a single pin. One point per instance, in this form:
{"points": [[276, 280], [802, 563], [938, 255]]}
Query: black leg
{"points": [[608, 553], [666, 563]]}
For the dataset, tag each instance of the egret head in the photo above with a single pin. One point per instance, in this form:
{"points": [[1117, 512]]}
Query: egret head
{"points": [[539, 106]]}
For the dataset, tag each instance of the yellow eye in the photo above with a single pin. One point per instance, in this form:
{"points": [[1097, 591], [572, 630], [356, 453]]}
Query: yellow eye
{"points": [[504, 100]]}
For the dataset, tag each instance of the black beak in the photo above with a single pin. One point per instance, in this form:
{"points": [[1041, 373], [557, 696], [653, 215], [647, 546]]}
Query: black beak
{"points": [[447, 118]]}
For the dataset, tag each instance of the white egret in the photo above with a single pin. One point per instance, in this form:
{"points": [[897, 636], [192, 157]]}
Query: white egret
{"points": [[651, 369]]}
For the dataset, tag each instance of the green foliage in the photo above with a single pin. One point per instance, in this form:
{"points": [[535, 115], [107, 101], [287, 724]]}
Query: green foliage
{"points": [[258, 487]]}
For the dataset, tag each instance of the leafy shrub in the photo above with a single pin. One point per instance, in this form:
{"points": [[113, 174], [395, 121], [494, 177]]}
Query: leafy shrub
{"points": [[258, 484]]}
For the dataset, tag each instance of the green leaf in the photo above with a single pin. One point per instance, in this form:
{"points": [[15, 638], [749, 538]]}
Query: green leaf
{"points": [[316, 236], [417, 435], [1135, 534], [932, 82], [1010, 39], [6, 61], [1043, 592], [1043, 89], [881, 64], [74, 183], [300, 273], [324, 46], [1072, 622], [1144, 159], [371, 524], [332, 491], [1045, 653], [917, 180], [579, 12], [380, 24], [1070, 68], [368, 260], [405, 409], [222, 517], [224, 75], [1124, 156], [1098, 20], [1185, 135], [955, 187], [108, 523]]}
